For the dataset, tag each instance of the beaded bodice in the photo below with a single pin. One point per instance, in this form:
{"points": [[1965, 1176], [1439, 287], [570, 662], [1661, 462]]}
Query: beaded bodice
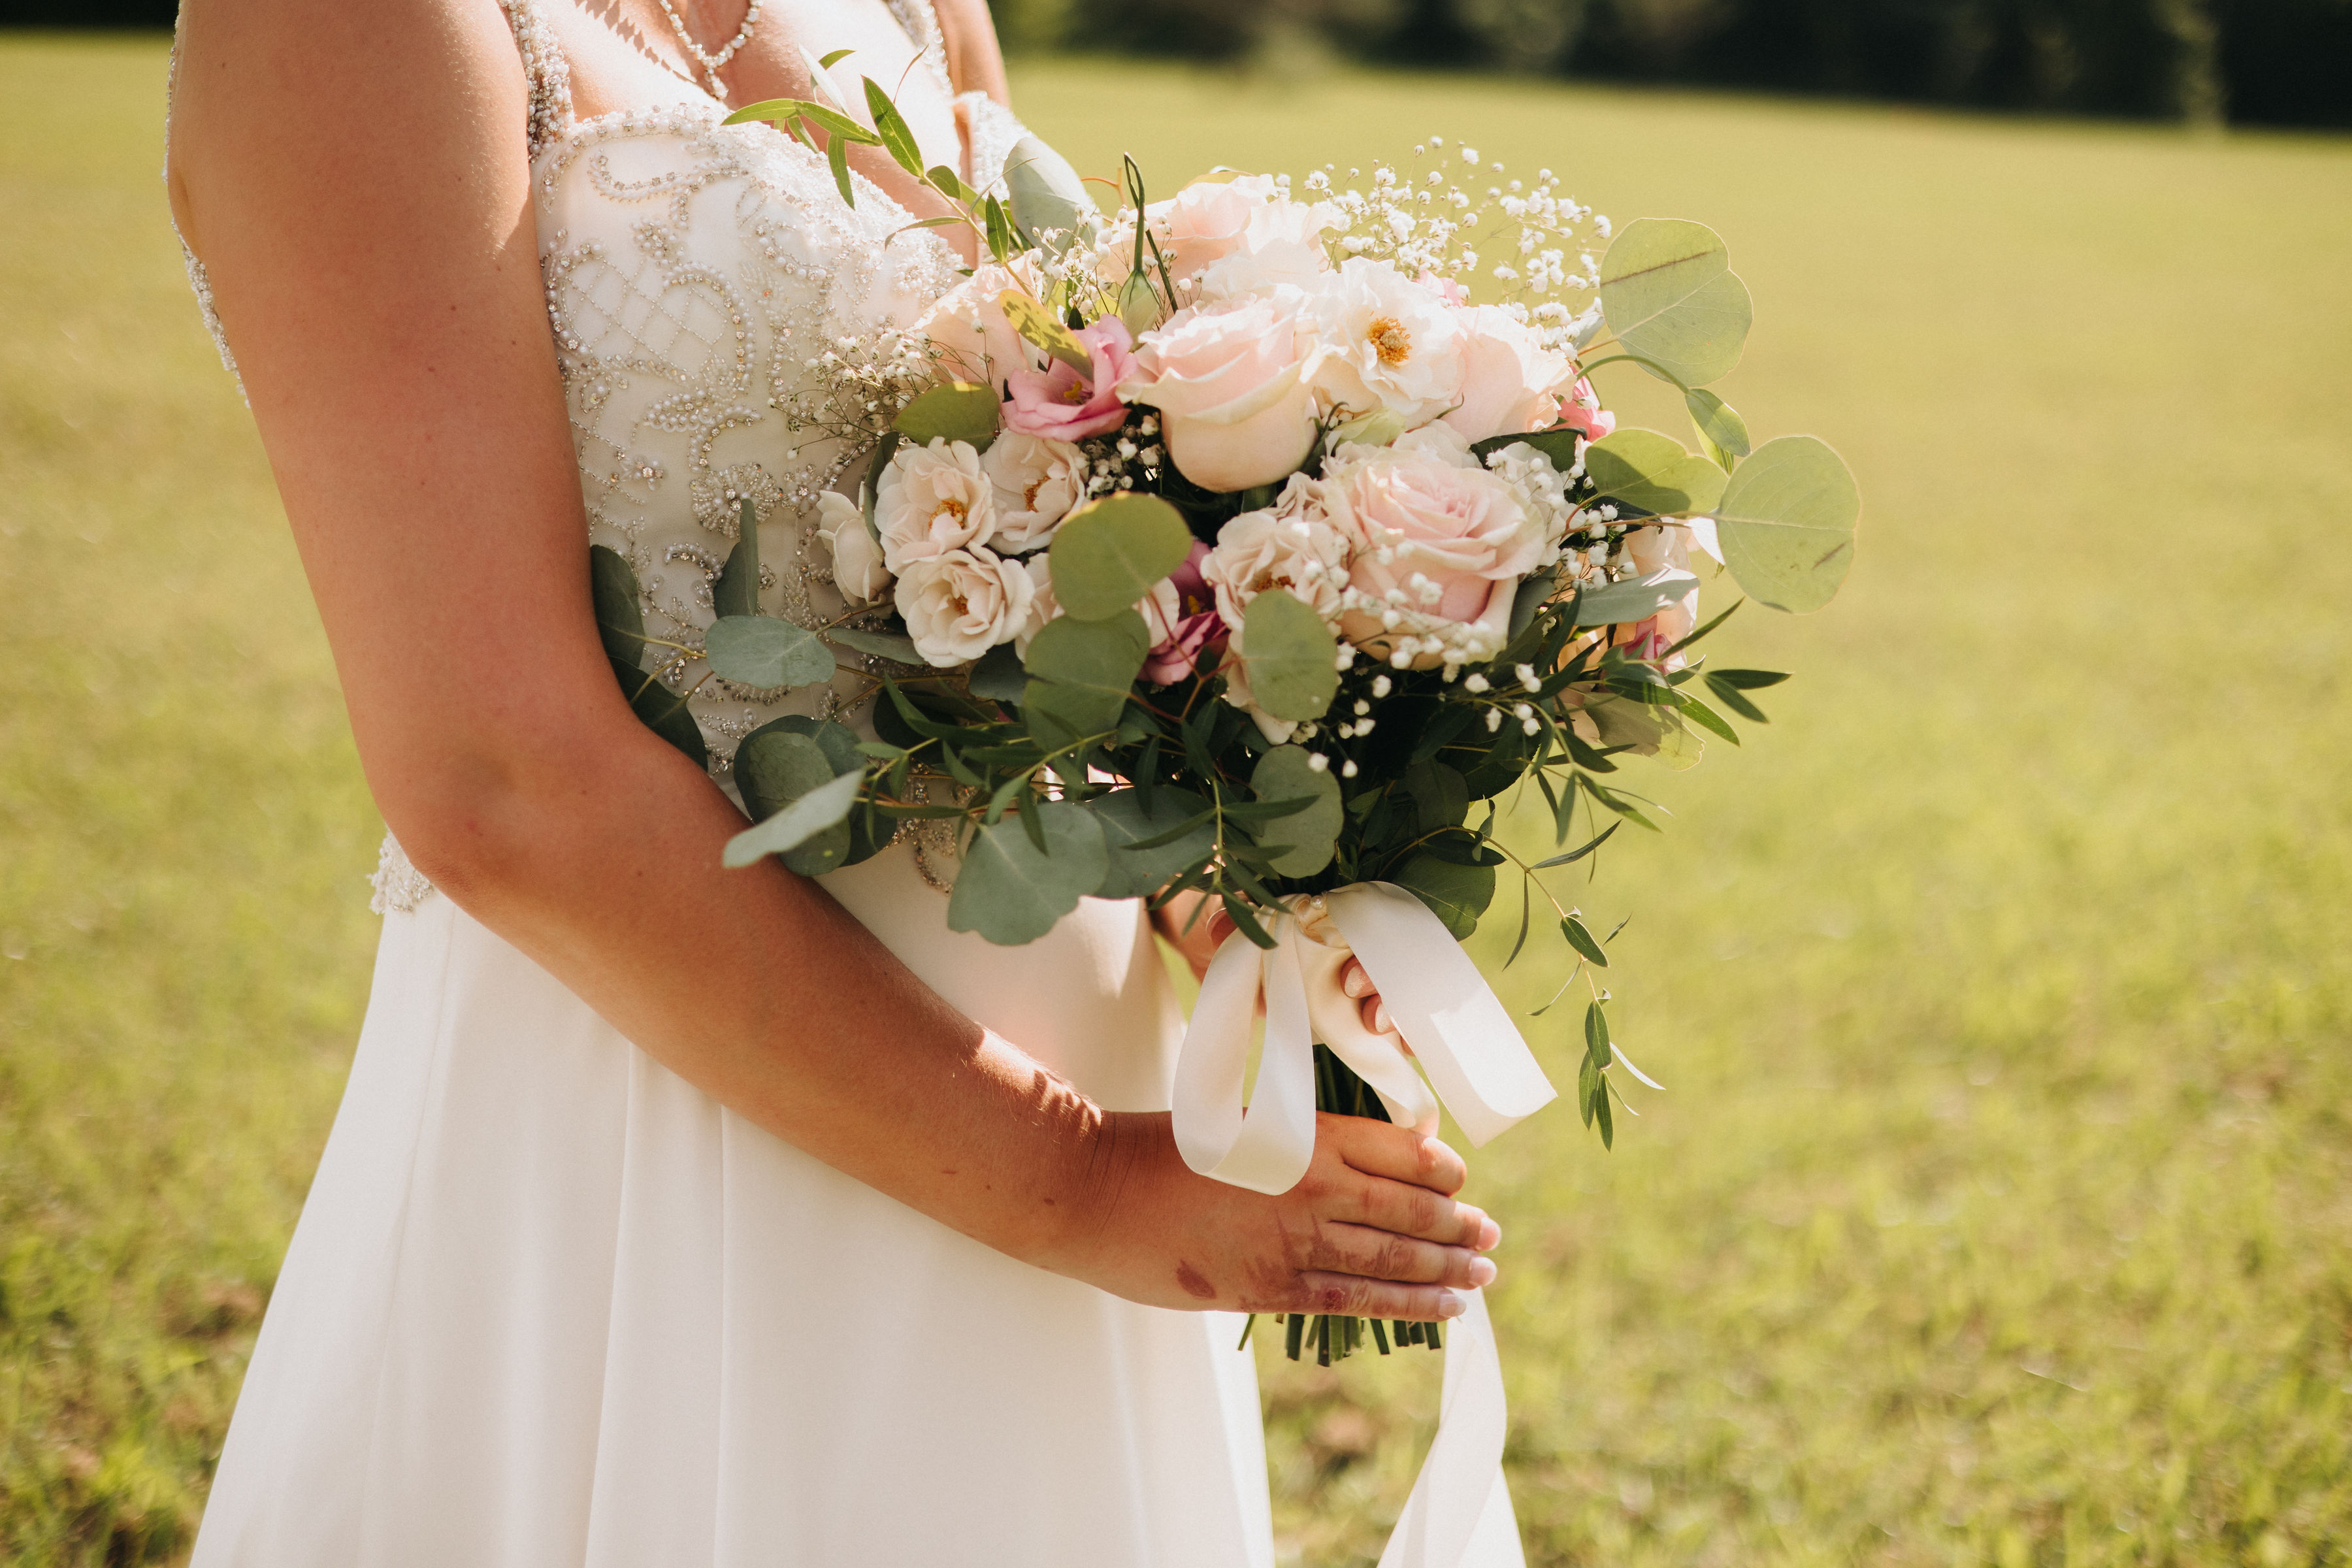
{"points": [[702, 281]]}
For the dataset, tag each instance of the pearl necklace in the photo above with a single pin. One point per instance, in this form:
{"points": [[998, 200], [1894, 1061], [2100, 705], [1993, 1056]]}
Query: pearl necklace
{"points": [[711, 63]]}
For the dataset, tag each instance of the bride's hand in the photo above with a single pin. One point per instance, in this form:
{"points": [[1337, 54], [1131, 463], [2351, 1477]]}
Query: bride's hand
{"points": [[1371, 1230]]}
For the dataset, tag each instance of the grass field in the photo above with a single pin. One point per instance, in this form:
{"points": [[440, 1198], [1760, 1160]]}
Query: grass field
{"points": [[2001, 1208]]}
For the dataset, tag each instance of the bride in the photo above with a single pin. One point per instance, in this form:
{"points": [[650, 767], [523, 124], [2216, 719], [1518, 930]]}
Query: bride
{"points": [[676, 1214]]}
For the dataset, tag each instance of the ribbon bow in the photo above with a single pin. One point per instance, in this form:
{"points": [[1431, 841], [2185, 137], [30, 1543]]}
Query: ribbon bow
{"points": [[1459, 1515]]}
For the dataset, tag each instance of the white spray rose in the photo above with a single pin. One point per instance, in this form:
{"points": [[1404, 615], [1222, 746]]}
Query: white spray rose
{"points": [[1042, 605], [961, 604], [1290, 545], [1388, 344], [932, 500], [1037, 481], [857, 568]]}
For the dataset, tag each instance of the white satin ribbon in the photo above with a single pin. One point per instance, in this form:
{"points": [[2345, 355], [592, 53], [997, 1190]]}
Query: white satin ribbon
{"points": [[1459, 1515]]}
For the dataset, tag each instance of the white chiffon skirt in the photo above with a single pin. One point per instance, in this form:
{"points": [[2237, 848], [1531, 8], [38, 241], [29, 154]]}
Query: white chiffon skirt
{"points": [[550, 1304]]}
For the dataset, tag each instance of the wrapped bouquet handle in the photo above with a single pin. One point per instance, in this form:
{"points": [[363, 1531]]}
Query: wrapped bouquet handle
{"points": [[1459, 1515]]}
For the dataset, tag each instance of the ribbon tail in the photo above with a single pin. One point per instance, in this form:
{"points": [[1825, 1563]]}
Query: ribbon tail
{"points": [[1269, 1149], [1459, 1515], [1475, 1058]]}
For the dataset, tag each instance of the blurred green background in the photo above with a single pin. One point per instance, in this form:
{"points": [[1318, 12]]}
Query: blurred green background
{"points": [[1997, 1211]]}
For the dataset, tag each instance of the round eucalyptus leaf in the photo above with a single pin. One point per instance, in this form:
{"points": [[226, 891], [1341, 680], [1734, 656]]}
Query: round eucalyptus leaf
{"points": [[763, 651], [959, 411], [1080, 676], [998, 676], [775, 766], [1291, 657], [1721, 431], [1048, 198], [1668, 292], [1012, 893], [1300, 844], [1109, 553], [881, 644], [1456, 894], [620, 622], [1634, 599], [821, 808], [1786, 522], [662, 710], [1128, 819], [1653, 472]]}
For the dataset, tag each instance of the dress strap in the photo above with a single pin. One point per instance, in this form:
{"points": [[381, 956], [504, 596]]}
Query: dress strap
{"points": [[544, 67]]}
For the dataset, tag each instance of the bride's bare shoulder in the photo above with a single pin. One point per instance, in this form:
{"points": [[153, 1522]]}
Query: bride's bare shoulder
{"points": [[295, 91]]}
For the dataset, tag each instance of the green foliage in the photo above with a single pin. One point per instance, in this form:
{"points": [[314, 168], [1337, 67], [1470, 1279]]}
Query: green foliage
{"points": [[1668, 292], [1081, 672], [1047, 196], [1152, 835], [766, 651], [1652, 473], [1023, 873], [1787, 521], [1289, 653], [1299, 842], [1109, 553], [958, 411]]}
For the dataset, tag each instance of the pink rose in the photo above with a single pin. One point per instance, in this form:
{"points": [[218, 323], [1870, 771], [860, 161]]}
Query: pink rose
{"points": [[1227, 381], [968, 326], [1211, 219], [1059, 403], [1432, 537], [1511, 383], [1582, 410], [1182, 616]]}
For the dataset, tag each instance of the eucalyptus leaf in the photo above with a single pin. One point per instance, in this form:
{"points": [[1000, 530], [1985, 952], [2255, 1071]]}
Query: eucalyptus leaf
{"points": [[1080, 676], [662, 712], [1290, 656], [959, 411], [881, 644], [1720, 428], [1529, 597], [1670, 295], [1109, 553], [773, 768], [1581, 938], [1041, 327], [737, 590], [812, 814], [1786, 522], [1653, 472], [1048, 198], [1300, 843], [1010, 892], [620, 622], [1133, 817], [767, 652], [1559, 447], [998, 676], [1636, 598], [836, 158], [1456, 894], [898, 137]]}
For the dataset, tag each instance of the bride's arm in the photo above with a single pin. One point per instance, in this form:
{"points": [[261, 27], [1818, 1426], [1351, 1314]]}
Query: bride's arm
{"points": [[353, 178]]}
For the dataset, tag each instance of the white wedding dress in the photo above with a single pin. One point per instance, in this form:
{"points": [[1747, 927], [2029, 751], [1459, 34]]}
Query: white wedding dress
{"points": [[548, 1304]]}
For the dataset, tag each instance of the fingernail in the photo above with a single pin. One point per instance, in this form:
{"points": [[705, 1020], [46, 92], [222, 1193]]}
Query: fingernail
{"points": [[1490, 1237], [1380, 1019], [1355, 984], [1481, 1272], [1452, 1305]]}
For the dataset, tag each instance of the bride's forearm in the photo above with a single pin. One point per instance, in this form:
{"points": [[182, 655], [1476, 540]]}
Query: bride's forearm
{"points": [[602, 863]]}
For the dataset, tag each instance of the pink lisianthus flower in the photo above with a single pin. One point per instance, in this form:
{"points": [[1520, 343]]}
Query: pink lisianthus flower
{"points": [[1582, 410], [1061, 405], [1181, 616]]}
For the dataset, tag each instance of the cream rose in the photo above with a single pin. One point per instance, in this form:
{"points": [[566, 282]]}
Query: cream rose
{"points": [[1037, 481], [1510, 383], [1229, 382], [1290, 545], [857, 568], [1433, 538], [932, 500], [1387, 343], [1211, 219], [961, 604]]}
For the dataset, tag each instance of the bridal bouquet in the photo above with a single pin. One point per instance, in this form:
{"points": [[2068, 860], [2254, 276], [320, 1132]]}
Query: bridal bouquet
{"points": [[1253, 542]]}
